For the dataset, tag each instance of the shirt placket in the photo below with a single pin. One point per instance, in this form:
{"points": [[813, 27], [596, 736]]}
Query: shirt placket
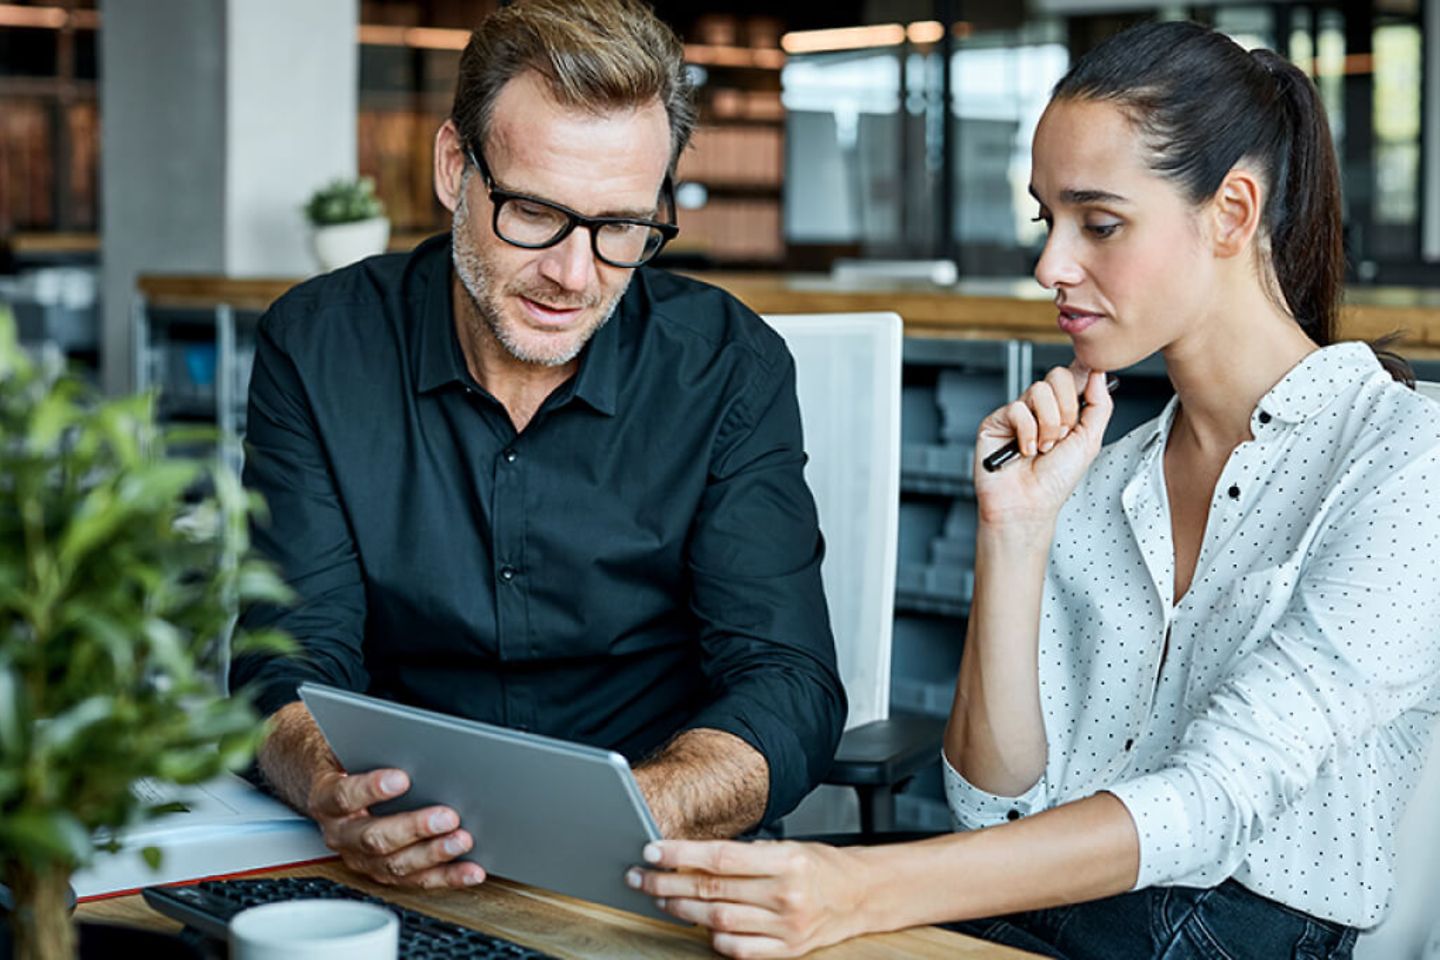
{"points": [[511, 581], [1147, 511]]}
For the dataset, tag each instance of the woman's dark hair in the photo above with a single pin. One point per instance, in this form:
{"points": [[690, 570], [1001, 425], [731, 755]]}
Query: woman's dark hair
{"points": [[1202, 105]]}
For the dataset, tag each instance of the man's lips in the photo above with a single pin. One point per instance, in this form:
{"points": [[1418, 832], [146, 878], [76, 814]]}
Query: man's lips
{"points": [[548, 315], [1073, 320]]}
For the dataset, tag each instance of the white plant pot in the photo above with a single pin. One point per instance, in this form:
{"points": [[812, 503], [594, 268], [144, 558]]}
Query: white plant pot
{"points": [[341, 244]]}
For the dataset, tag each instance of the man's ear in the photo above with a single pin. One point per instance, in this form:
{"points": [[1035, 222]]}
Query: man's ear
{"points": [[1236, 211], [450, 161]]}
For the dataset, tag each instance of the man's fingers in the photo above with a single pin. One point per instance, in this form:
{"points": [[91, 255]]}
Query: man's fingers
{"points": [[346, 794], [382, 836]]}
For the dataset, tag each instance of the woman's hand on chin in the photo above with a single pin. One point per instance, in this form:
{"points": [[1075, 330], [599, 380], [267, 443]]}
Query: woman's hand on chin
{"points": [[1058, 440], [758, 899]]}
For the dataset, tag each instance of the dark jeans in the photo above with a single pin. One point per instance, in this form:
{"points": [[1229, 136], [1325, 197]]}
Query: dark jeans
{"points": [[1227, 922]]}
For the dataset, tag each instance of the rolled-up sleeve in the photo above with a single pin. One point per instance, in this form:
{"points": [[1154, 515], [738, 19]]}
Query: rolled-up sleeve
{"points": [[1357, 646], [974, 809], [754, 562], [306, 534]]}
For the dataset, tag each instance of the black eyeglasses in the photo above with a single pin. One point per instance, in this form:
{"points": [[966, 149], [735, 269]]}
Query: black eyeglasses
{"points": [[534, 224]]}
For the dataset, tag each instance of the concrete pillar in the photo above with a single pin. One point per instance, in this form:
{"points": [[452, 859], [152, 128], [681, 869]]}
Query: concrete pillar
{"points": [[218, 119]]}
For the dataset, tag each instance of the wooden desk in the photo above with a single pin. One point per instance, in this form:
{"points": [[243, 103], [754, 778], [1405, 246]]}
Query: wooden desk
{"points": [[574, 928], [984, 309]]}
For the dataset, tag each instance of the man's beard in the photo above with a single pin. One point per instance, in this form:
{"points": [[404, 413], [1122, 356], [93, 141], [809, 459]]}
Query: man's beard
{"points": [[475, 273]]}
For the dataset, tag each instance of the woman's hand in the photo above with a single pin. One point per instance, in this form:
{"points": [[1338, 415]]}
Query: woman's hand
{"points": [[759, 899], [1058, 441]]}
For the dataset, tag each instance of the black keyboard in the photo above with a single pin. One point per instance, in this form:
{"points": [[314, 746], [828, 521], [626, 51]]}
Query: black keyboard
{"points": [[207, 907]]}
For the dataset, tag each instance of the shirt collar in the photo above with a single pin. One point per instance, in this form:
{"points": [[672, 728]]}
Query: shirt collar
{"points": [[440, 361], [1315, 381], [1307, 389]]}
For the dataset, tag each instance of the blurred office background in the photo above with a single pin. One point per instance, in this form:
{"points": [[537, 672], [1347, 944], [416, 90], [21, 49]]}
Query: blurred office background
{"points": [[147, 135]]}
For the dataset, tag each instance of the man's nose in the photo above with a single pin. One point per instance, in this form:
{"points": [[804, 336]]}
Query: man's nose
{"points": [[571, 262]]}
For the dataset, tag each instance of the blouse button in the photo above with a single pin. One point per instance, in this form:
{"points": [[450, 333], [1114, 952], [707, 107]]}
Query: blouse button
{"points": [[1012, 814], [1264, 417], [1234, 492]]}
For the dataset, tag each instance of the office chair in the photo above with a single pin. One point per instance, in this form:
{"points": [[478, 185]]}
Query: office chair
{"points": [[1411, 930], [848, 382]]}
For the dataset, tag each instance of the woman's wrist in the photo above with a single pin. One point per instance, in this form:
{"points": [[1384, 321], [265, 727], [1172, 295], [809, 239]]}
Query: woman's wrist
{"points": [[1012, 535]]}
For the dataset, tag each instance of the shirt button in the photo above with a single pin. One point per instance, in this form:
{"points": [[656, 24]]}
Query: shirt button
{"points": [[509, 454], [1234, 492], [1264, 417], [507, 573], [1012, 814]]}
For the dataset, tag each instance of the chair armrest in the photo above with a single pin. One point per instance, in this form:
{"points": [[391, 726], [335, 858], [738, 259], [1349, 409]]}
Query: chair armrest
{"points": [[886, 752]]}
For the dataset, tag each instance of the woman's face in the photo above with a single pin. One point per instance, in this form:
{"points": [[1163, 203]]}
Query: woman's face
{"points": [[1126, 255]]}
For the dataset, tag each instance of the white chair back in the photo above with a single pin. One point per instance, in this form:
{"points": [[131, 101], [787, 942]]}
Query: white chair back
{"points": [[848, 380], [1411, 931]]}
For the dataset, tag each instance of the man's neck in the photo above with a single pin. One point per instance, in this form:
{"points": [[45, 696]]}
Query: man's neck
{"points": [[519, 386]]}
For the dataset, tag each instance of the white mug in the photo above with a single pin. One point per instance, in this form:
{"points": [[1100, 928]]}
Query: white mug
{"points": [[315, 930]]}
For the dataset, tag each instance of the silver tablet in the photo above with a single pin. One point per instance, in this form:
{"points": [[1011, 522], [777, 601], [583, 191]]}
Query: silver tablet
{"points": [[542, 811]]}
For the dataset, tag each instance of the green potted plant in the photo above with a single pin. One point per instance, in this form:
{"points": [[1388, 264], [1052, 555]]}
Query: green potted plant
{"points": [[348, 222], [120, 571]]}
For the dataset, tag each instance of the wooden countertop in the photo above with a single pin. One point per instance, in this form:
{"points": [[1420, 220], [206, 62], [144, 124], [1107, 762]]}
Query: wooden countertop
{"points": [[971, 309], [574, 928]]}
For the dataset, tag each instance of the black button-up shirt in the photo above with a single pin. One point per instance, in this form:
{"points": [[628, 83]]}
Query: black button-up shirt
{"points": [[642, 559]]}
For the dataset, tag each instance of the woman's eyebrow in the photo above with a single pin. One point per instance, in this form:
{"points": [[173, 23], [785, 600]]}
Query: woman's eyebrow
{"points": [[1079, 197]]}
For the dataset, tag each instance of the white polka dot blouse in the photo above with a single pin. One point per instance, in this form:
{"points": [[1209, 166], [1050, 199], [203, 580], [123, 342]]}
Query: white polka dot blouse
{"points": [[1279, 738]]}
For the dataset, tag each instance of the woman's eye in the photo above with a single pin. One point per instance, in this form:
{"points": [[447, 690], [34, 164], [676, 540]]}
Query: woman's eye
{"points": [[1102, 230], [1041, 217]]}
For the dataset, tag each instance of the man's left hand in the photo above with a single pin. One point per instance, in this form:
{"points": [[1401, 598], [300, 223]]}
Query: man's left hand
{"points": [[759, 899]]}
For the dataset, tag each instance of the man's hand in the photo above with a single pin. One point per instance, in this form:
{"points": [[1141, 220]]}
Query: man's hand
{"points": [[409, 849], [413, 849]]}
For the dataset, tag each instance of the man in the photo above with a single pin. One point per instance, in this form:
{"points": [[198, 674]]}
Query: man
{"points": [[514, 478]]}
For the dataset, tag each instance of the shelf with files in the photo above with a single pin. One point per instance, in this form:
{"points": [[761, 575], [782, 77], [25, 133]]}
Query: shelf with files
{"points": [[198, 358], [948, 386]]}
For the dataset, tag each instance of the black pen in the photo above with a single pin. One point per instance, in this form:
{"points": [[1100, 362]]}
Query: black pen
{"points": [[1011, 450]]}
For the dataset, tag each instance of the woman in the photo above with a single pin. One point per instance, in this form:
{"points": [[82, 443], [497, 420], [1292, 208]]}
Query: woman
{"points": [[1202, 664]]}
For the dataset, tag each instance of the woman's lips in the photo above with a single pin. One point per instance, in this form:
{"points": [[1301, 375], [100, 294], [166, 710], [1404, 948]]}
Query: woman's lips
{"points": [[1074, 321]]}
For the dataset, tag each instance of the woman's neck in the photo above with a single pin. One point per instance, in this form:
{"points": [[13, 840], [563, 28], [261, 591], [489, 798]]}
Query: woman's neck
{"points": [[1239, 352]]}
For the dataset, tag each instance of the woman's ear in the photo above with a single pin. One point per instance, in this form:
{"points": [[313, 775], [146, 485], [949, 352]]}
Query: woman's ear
{"points": [[1236, 210], [450, 163]]}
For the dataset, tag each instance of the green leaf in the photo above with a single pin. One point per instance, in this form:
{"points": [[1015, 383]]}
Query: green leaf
{"points": [[61, 731], [152, 856], [46, 836]]}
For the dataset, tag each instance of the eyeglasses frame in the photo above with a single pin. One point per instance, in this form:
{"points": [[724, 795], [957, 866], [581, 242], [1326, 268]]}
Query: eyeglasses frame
{"points": [[499, 196]]}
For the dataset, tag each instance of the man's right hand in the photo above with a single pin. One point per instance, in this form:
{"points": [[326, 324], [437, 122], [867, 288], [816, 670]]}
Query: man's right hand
{"points": [[404, 849], [414, 849]]}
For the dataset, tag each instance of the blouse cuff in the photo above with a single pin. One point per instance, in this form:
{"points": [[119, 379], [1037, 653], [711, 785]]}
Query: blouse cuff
{"points": [[974, 808], [1157, 807]]}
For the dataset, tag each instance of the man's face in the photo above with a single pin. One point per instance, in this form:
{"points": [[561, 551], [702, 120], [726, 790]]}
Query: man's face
{"points": [[542, 306]]}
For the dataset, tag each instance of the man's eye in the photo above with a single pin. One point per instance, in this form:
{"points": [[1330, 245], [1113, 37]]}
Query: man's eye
{"points": [[532, 211]]}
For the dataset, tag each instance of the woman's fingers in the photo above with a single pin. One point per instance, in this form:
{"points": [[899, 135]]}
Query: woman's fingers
{"points": [[1066, 387], [757, 858], [1046, 409], [1098, 406], [727, 917]]}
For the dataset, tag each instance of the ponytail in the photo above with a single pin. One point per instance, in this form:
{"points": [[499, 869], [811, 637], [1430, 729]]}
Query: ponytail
{"points": [[1203, 105]]}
